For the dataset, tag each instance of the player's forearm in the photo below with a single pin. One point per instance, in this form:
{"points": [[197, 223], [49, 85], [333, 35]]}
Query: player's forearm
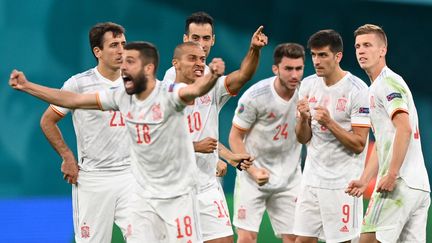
{"points": [[400, 147], [303, 131], [61, 97], [55, 138], [237, 79], [371, 169], [199, 88], [224, 153], [236, 143], [351, 141]]}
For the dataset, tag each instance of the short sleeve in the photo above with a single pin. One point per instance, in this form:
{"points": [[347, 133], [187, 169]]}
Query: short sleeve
{"points": [[360, 116], [71, 86], [246, 113], [109, 100], [395, 96], [174, 96]]}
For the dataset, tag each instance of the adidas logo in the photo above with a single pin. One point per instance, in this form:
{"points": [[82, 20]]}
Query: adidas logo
{"points": [[344, 229], [271, 115], [312, 100]]}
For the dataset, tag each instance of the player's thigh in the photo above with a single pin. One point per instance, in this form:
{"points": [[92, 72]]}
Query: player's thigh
{"points": [[281, 210], [307, 219], [146, 225], [214, 214], [415, 229], [341, 214], [93, 207], [124, 185], [165, 220], [400, 213], [249, 205]]}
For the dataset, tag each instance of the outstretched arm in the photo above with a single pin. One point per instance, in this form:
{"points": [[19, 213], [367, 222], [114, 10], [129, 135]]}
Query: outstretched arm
{"points": [[18, 81], [69, 166], [236, 80], [203, 85]]}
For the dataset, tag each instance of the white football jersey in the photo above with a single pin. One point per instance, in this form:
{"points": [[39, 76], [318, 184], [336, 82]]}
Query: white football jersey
{"points": [[163, 161], [271, 122], [203, 121], [388, 94], [101, 137], [328, 163]]}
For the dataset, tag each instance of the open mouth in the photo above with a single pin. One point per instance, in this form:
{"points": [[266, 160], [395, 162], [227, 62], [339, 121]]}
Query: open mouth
{"points": [[128, 82], [199, 72]]}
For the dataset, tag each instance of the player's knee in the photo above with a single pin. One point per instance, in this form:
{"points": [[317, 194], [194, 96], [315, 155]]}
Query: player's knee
{"points": [[288, 238], [245, 236]]}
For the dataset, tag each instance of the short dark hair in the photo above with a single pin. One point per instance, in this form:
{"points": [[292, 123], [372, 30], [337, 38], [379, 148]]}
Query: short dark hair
{"points": [[290, 50], [97, 32], [198, 18], [325, 38], [148, 52]]}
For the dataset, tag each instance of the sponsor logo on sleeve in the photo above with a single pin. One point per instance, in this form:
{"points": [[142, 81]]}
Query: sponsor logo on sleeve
{"points": [[364, 110], [171, 87], [241, 109], [392, 96]]}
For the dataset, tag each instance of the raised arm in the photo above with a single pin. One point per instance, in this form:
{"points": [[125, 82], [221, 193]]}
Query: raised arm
{"points": [[238, 78], [69, 166], [203, 84], [18, 81], [303, 128]]}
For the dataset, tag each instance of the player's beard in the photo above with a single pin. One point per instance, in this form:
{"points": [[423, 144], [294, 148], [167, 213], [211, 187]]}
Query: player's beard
{"points": [[139, 84]]}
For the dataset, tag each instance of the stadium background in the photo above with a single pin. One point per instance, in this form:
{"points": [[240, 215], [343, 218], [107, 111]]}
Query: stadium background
{"points": [[48, 39]]}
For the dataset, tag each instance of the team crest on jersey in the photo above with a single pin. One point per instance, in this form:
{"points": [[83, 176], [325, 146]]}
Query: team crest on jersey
{"points": [[85, 231], [392, 96], [341, 104], [205, 99], [240, 109], [156, 112], [312, 100], [241, 213]]}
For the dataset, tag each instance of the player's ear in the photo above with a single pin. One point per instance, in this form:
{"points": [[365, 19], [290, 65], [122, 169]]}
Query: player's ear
{"points": [[175, 63], [339, 56], [97, 52], [275, 69], [213, 40]]}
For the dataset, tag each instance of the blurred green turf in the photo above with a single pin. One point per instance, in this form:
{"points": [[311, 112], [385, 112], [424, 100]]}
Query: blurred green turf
{"points": [[265, 234]]}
